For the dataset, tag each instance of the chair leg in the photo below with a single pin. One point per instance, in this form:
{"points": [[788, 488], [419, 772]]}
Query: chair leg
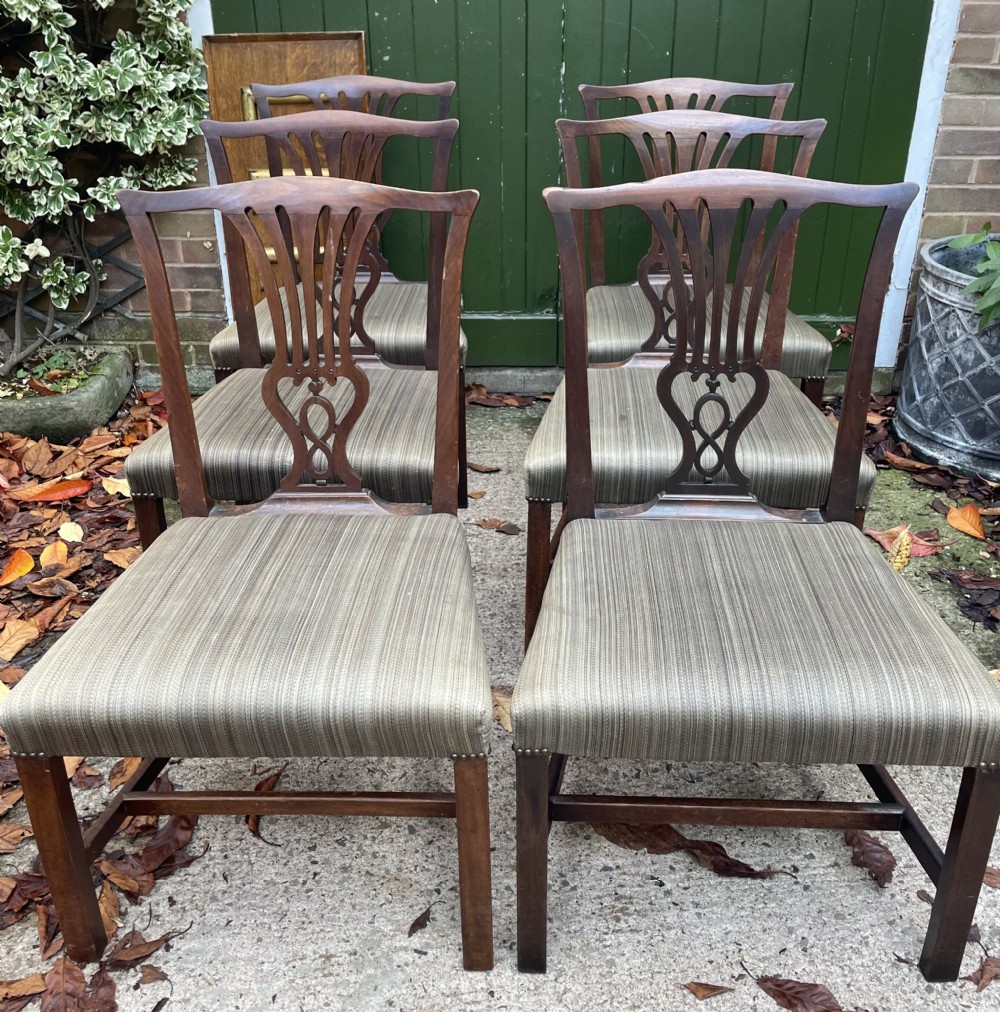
{"points": [[221, 372], [472, 813], [813, 389], [859, 517], [538, 563], [64, 860], [965, 860], [532, 860], [149, 518]]}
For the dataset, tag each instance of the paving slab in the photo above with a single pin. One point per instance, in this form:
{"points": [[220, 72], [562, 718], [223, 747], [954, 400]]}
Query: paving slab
{"points": [[316, 918]]}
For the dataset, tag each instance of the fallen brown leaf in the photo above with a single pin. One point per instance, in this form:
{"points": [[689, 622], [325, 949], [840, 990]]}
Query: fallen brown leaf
{"points": [[987, 972], [86, 778], [9, 798], [476, 495], [134, 948], [175, 834], [11, 834], [508, 528], [52, 491], [919, 547], [489, 523], [34, 984], [149, 974], [798, 996], [54, 554], [665, 839], [906, 463], [992, 878], [36, 456], [64, 987], [871, 854], [110, 909], [501, 710], [483, 468], [122, 770], [100, 996], [123, 557], [702, 991], [15, 636], [53, 586], [967, 520], [263, 786], [420, 922], [19, 564], [128, 874]]}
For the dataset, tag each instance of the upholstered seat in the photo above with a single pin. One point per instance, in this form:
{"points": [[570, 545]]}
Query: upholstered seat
{"points": [[395, 318], [786, 452], [305, 634], [697, 640], [246, 453], [619, 319]]}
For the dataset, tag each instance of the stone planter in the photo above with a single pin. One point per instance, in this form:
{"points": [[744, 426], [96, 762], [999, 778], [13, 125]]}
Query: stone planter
{"points": [[949, 403], [66, 416]]}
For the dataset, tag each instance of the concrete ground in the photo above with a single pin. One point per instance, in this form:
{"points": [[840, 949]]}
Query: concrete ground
{"points": [[319, 919]]}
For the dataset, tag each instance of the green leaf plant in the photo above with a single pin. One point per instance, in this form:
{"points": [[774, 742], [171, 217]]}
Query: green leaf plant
{"points": [[95, 96], [986, 285]]}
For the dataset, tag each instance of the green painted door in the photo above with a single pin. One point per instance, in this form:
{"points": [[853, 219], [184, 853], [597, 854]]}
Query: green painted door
{"points": [[856, 63]]}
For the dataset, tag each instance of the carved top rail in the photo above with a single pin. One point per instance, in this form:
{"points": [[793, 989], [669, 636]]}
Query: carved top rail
{"points": [[684, 93], [356, 92], [700, 214], [313, 323]]}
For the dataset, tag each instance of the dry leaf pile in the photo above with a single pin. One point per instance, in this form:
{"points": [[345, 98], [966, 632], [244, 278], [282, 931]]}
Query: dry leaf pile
{"points": [[978, 519], [66, 527]]}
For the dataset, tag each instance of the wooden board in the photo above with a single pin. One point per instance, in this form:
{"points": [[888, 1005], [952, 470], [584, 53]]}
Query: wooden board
{"points": [[236, 61]]}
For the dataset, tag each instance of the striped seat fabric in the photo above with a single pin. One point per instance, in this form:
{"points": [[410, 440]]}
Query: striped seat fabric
{"points": [[395, 317], [694, 641], [786, 451], [619, 319], [246, 453], [283, 635]]}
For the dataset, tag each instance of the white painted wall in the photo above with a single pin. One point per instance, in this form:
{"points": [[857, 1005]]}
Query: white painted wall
{"points": [[944, 25]]}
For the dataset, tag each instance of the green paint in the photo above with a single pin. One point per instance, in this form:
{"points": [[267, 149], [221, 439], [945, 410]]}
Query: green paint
{"points": [[857, 63]]}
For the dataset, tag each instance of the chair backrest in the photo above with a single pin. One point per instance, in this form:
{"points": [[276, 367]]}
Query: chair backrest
{"points": [[684, 93], [682, 141], [355, 92], [713, 349], [330, 222], [338, 143]]}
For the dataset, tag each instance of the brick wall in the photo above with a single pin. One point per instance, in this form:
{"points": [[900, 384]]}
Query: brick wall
{"points": [[191, 254], [964, 189]]}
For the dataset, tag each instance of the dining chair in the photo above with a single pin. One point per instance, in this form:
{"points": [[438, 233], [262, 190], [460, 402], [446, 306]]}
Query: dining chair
{"points": [[349, 144], [244, 450], [807, 352], [707, 627], [322, 622], [632, 439]]}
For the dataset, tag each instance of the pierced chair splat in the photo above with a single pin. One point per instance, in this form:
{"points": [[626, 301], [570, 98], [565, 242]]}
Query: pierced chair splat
{"points": [[337, 665], [708, 628], [807, 352], [242, 444], [634, 443]]}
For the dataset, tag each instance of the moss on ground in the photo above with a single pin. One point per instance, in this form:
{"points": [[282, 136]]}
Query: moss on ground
{"points": [[897, 500]]}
